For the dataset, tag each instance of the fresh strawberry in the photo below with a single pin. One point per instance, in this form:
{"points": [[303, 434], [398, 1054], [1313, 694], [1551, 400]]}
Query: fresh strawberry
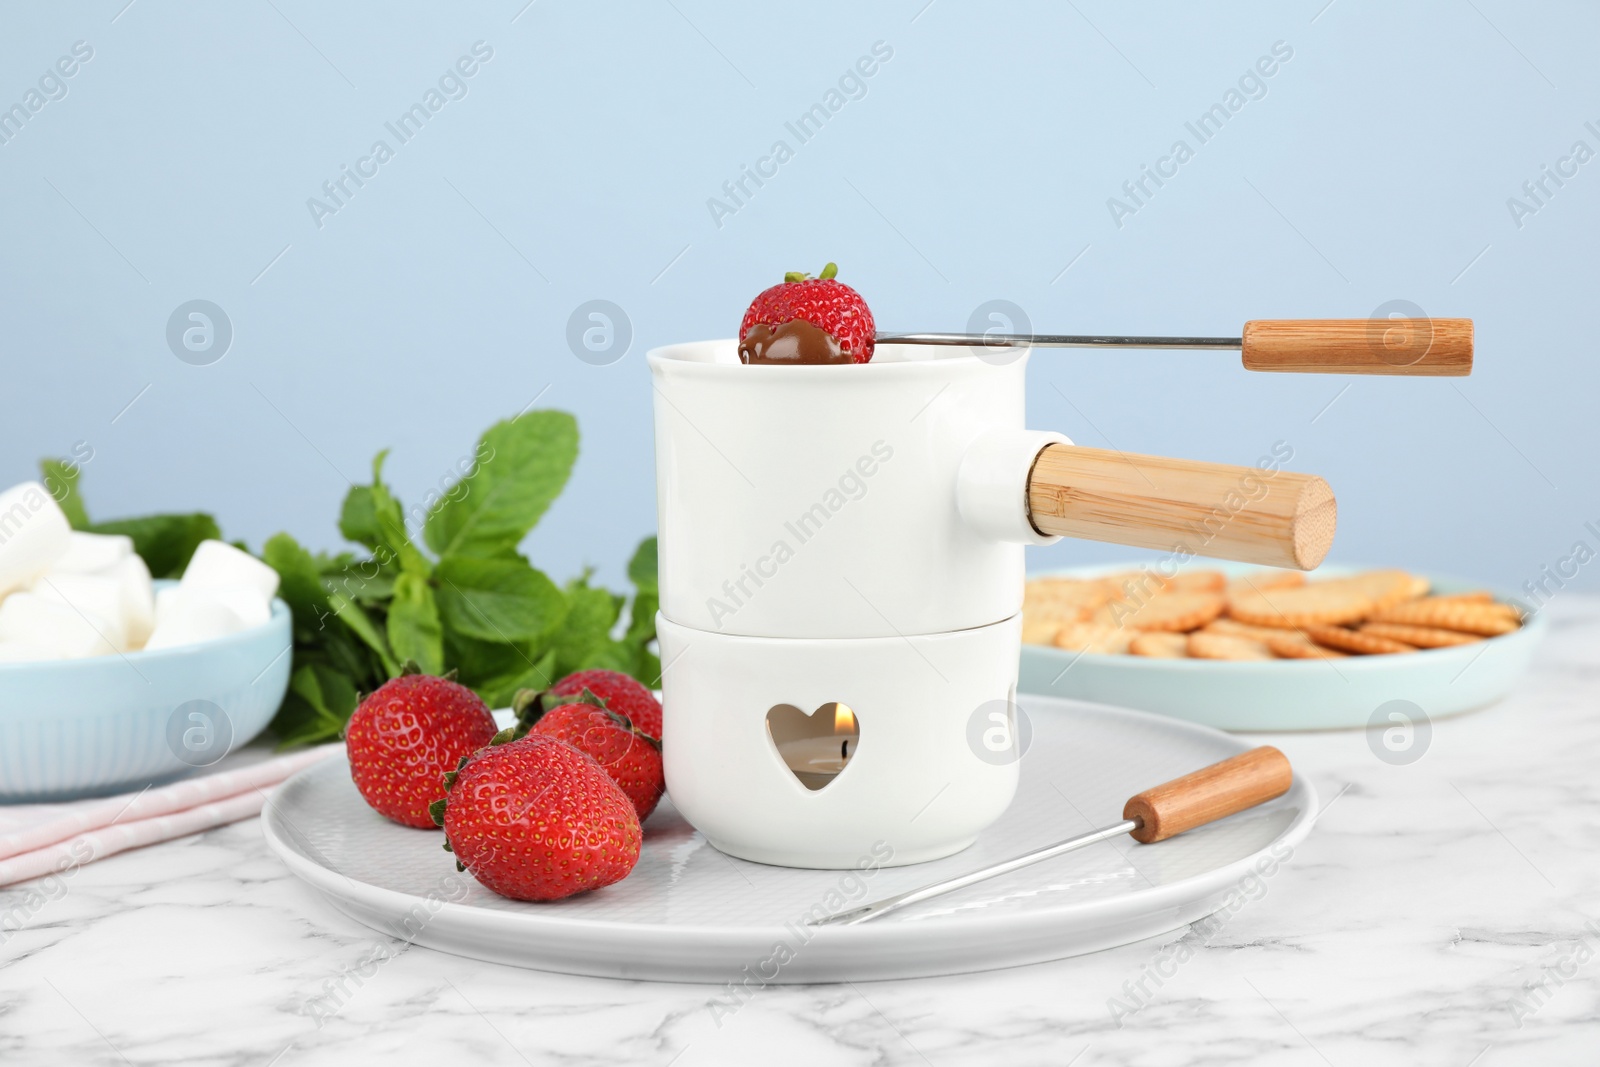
{"points": [[632, 759], [535, 819], [406, 735], [826, 303], [622, 694]]}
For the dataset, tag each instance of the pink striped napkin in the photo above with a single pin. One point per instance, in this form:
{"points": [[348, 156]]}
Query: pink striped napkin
{"points": [[37, 839]]}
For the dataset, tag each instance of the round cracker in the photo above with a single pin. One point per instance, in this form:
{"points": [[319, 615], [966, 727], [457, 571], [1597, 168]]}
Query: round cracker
{"points": [[1420, 636], [1226, 646], [1489, 620], [1159, 645], [1093, 637], [1267, 579], [1172, 612], [1198, 582], [1240, 629], [1067, 599], [1132, 587], [1285, 644], [1387, 587], [1037, 631], [1356, 641], [1313, 604]]}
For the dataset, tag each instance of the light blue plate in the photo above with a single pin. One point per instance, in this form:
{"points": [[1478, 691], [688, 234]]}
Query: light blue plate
{"points": [[1287, 694], [109, 724]]}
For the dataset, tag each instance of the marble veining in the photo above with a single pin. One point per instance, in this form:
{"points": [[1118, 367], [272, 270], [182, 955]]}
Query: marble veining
{"points": [[1445, 911]]}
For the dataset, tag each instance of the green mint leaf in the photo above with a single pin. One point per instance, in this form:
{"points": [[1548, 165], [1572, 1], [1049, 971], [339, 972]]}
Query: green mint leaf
{"points": [[164, 541], [299, 584], [642, 572], [415, 632], [358, 578], [318, 704], [500, 691], [642, 619], [647, 669], [335, 646], [642, 568], [481, 660], [353, 583], [358, 517], [591, 614], [394, 540], [334, 563], [297, 723], [60, 480], [521, 465], [371, 515], [608, 655], [315, 606], [503, 600], [330, 692], [353, 616]]}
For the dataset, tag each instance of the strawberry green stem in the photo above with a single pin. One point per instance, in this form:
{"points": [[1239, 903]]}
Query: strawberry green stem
{"points": [[828, 272]]}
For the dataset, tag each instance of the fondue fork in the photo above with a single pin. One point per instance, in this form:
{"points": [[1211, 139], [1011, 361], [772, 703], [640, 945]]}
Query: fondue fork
{"points": [[1198, 798], [1416, 347]]}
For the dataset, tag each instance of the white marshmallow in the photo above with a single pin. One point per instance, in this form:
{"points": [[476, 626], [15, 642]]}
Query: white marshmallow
{"points": [[138, 598], [95, 595], [168, 600], [244, 602], [58, 628], [89, 553], [33, 535], [24, 652], [217, 565], [191, 620]]}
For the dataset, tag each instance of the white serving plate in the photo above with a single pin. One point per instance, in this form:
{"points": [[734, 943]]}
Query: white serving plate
{"points": [[690, 913], [1287, 694]]}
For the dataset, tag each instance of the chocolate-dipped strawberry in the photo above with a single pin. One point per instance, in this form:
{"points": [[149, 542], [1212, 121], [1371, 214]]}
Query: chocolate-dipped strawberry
{"points": [[806, 320]]}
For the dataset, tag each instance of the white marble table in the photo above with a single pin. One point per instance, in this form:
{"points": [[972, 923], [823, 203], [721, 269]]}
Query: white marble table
{"points": [[1415, 926]]}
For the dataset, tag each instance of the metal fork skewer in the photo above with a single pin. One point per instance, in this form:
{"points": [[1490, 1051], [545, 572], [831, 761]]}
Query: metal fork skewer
{"points": [[950, 885], [1057, 340]]}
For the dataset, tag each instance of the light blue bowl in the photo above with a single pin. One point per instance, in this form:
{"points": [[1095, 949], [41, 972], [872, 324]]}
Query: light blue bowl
{"points": [[1289, 694], [110, 724]]}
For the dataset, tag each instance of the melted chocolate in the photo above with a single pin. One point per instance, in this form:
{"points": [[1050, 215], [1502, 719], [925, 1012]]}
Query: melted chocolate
{"points": [[794, 342]]}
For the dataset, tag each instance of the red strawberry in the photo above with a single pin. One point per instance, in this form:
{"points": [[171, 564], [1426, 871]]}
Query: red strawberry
{"points": [[632, 759], [778, 325], [535, 819], [406, 735], [622, 694]]}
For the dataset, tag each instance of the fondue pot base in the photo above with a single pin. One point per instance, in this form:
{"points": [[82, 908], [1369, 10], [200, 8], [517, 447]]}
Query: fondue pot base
{"points": [[927, 742]]}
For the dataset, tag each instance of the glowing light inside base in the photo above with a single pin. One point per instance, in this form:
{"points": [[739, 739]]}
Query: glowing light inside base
{"points": [[844, 720]]}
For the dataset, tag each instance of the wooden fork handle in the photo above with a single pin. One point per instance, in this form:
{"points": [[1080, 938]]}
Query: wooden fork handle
{"points": [[1209, 794], [1418, 347]]}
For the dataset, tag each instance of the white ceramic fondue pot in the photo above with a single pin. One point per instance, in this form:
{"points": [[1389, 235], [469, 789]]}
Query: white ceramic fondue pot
{"points": [[841, 569], [867, 500]]}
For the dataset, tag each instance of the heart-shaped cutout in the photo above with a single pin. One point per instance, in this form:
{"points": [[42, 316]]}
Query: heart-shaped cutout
{"points": [[815, 746]]}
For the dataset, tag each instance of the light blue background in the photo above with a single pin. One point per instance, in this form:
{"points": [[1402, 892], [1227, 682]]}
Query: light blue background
{"points": [[977, 166]]}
